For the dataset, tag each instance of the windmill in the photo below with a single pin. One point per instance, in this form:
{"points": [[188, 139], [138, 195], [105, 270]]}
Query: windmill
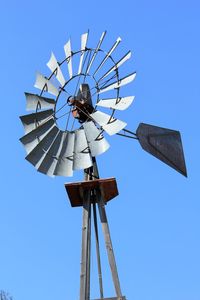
{"points": [[66, 132]]}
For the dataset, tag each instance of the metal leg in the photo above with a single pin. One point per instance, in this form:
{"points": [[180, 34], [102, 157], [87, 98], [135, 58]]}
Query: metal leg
{"points": [[107, 237], [98, 250], [85, 255]]}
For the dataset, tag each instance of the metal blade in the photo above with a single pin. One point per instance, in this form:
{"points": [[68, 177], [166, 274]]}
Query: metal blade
{"points": [[117, 65], [43, 84], [82, 156], [50, 160], [34, 101], [32, 121], [31, 139], [36, 156], [96, 142], [118, 84], [84, 38], [68, 53], [108, 54], [96, 51], [108, 123], [165, 144], [64, 166], [55, 68], [120, 103]]}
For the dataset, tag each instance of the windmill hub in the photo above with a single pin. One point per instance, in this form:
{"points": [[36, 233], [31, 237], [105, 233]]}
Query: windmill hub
{"points": [[82, 103]]}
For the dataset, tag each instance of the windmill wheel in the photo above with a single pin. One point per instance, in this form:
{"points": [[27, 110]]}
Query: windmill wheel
{"points": [[65, 132]]}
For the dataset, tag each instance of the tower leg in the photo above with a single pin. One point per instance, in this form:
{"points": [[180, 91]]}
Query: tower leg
{"points": [[108, 242], [98, 251], [86, 245]]}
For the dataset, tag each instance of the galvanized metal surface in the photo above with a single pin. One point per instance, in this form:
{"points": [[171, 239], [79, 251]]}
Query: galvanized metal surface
{"points": [[96, 142], [108, 123], [84, 38], [42, 83], [82, 156], [36, 156], [34, 101], [123, 81], [64, 166], [95, 52], [31, 140], [50, 160], [55, 68], [120, 103], [108, 54], [32, 121], [68, 53], [165, 144], [117, 65]]}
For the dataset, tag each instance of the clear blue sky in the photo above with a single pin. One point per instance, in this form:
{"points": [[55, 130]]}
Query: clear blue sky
{"points": [[155, 220]]}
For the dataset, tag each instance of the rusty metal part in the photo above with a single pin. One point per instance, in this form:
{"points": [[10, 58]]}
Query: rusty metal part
{"points": [[82, 103], [75, 191], [165, 144]]}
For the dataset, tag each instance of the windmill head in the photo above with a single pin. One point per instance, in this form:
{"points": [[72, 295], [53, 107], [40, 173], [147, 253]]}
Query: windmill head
{"points": [[165, 144]]}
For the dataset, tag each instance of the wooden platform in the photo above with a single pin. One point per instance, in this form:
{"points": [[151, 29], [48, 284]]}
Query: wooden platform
{"points": [[107, 187]]}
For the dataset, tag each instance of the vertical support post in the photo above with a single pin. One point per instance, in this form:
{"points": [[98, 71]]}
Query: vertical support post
{"points": [[85, 252], [98, 251], [108, 242]]}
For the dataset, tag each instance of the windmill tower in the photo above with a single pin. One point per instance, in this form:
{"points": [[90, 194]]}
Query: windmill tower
{"points": [[66, 132]]}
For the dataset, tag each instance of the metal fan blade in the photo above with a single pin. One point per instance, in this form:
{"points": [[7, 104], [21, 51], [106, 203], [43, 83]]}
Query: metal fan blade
{"points": [[31, 139], [32, 121], [95, 52], [108, 123], [36, 156], [84, 38], [108, 54], [117, 65], [64, 165], [68, 53], [55, 68], [165, 144], [118, 84], [96, 142], [34, 101], [43, 84], [120, 103], [50, 160], [82, 156]]}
